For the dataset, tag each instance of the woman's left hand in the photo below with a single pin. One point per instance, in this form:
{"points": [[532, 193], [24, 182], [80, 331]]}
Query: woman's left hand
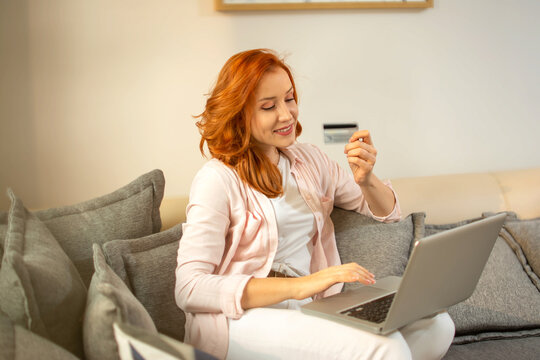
{"points": [[361, 156]]}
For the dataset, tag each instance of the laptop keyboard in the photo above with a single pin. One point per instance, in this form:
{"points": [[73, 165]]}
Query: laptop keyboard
{"points": [[374, 311]]}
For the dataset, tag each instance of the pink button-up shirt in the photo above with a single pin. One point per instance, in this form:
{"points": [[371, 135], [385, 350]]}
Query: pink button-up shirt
{"points": [[230, 235]]}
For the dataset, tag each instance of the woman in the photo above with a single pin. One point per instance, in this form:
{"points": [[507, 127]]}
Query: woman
{"points": [[258, 241]]}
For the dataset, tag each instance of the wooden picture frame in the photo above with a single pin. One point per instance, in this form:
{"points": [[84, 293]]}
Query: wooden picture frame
{"points": [[247, 5]]}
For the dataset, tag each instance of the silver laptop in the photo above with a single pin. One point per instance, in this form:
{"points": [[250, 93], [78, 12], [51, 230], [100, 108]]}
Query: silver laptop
{"points": [[443, 270]]}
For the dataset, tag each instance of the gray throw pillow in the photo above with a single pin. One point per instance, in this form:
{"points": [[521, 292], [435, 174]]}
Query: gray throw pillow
{"points": [[109, 300], [518, 251], [382, 248], [504, 303], [431, 229], [526, 234], [504, 299], [40, 289], [523, 236], [17, 342], [129, 212], [147, 265]]}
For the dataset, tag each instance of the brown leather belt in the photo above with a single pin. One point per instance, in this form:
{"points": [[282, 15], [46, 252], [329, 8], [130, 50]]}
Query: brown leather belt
{"points": [[278, 274]]}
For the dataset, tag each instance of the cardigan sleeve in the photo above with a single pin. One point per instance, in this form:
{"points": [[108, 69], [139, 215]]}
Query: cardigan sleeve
{"points": [[348, 195], [198, 286]]}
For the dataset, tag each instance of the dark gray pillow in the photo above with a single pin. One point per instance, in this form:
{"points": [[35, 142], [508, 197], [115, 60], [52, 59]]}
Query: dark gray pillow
{"points": [[526, 233], [17, 342], [148, 266], [109, 300], [129, 212], [504, 303], [382, 248], [40, 289]]}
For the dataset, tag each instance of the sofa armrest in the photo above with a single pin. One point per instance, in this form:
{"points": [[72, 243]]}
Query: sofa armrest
{"points": [[521, 191], [173, 211]]}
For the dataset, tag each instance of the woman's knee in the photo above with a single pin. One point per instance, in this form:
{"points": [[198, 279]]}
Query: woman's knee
{"points": [[444, 326], [445, 330], [392, 346], [429, 338]]}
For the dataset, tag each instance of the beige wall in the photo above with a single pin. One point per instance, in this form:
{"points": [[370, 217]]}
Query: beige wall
{"points": [[95, 93]]}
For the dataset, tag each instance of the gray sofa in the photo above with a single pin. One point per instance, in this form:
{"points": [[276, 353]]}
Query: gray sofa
{"points": [[95, 280], [501, 320]]}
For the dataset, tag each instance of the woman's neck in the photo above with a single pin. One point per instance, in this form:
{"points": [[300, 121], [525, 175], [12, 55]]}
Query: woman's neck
{"points": [[273, 155], [270, 151]]}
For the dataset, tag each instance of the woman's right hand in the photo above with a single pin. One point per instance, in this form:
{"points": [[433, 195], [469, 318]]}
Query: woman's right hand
{"points": [[320, 281], [260, 292]]}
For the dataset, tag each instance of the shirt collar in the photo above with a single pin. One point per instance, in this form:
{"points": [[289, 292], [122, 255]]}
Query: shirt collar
{"points": [[291, 153]]}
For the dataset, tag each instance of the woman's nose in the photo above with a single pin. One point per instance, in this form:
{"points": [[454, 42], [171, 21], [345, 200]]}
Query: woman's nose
{"points": [[284, 113]]}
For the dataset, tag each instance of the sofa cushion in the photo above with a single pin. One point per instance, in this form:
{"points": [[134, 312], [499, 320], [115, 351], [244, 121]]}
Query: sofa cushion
{"points": [[109, 300], [504, 301], [496, 335], [40, 289], [499, 349], [136, 344], [361, 239], [131, 211], [16, 342], [147, 265], [526, 233]]}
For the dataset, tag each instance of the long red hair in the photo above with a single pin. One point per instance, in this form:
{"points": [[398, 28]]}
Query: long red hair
{"points": [[225, 124]]}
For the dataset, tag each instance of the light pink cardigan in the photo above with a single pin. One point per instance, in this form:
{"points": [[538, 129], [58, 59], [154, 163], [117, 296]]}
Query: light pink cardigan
{"points": [[230, 235]]}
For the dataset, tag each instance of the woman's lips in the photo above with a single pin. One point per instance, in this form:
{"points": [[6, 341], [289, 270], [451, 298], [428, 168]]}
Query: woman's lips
{"points": [[285, 131]]}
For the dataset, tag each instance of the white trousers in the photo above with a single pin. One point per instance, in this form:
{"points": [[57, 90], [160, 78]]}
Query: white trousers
{"points": [[284, 332]]}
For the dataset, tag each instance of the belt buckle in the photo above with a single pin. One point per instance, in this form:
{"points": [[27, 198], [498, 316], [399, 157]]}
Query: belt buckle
{"points": [[277, 274]]}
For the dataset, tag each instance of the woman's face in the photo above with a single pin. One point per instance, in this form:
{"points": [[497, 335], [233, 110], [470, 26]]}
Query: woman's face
{"points": [[275, 112]]}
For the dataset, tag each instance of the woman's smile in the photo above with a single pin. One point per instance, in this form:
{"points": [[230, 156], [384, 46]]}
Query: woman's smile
{"points": [[285, 131]]}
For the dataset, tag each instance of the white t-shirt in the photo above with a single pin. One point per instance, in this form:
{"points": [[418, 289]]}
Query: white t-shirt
{"points": [[296, 226]]}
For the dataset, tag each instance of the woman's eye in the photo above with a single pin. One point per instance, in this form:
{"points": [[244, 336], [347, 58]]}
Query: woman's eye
{"points": [[289, 100], [269, 107]]}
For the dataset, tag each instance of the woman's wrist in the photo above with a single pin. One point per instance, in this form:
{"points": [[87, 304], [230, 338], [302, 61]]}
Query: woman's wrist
{"points": [[300, 288], [380, 198], [369, 181]]}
